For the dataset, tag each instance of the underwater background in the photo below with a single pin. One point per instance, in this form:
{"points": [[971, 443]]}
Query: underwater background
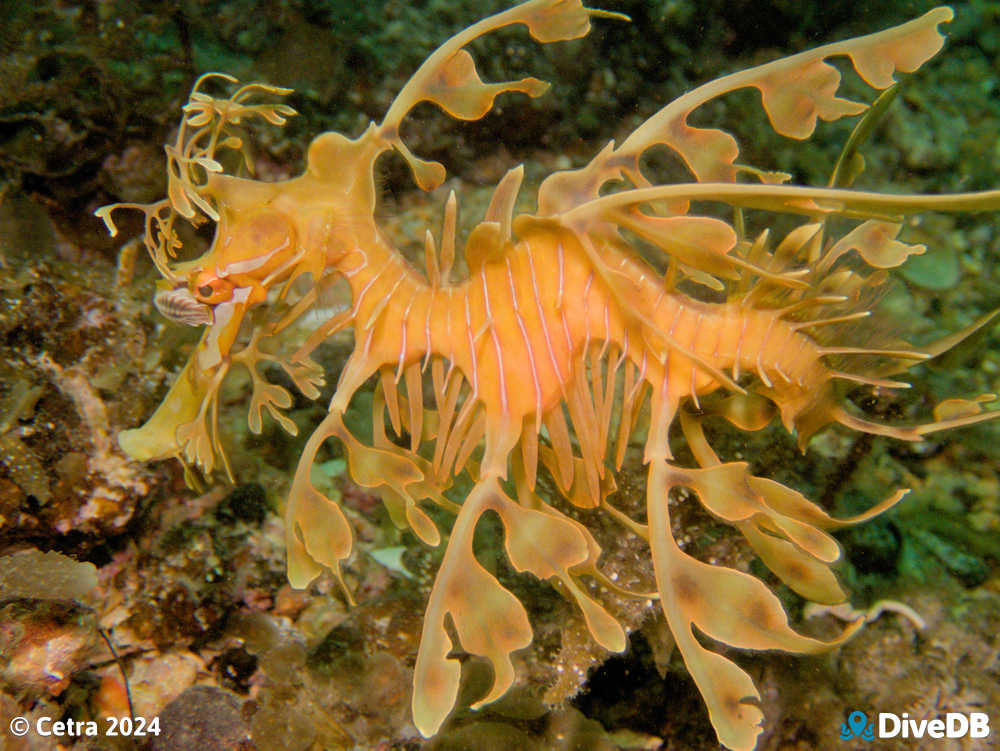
{"points": [[188, 586]]}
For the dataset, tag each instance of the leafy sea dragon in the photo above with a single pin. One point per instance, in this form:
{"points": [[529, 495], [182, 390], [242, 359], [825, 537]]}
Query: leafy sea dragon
{"points": [[547, 352]]}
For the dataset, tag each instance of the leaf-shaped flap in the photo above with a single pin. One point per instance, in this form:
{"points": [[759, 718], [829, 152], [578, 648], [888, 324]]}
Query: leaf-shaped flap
{"points": [[307, 376], [904, 48], [539, 542], [428, 175], [793, 504], [274, 398], [795, 91], [559, 20], [800, 243], [158, 437], [700, 242], [395, 505], [489, 620], [198, 444], [422, 525], [606, 631], [690, 593], [316, 532], [406, 514], [793, 102], [803, 87], [753, 617], [449, 78], [802, 572], [728, 692], [813, 541], [723, 489], [746, 411], [548, 545], [726, 689], [177, 194], [457, 88], [709, 153], [435, 677], [729, 492], [876, 242], [372, 467], [565, 189], [953, 409], [300, 566]]}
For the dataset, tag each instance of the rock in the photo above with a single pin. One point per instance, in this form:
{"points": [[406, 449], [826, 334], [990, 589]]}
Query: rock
{"points": [[202, 719]]}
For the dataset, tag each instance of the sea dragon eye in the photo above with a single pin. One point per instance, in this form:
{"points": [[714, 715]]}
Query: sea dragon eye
{"points": [[212, 292]]}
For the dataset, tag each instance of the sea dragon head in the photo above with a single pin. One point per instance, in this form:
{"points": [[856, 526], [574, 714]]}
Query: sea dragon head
{"points": [[255, 247]]}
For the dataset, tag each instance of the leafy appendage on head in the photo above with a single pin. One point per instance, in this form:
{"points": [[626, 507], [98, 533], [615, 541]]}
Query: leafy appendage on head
{"points": [[209, 125]]}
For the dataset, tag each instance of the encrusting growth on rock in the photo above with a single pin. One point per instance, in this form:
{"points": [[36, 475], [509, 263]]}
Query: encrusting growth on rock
{"points": [[545, 355]]}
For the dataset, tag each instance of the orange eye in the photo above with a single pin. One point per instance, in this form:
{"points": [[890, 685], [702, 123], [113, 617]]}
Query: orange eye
{"points": [[213, 292]]}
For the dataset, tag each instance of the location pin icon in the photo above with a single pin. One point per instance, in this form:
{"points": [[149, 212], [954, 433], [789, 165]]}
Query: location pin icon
{"points": [[857, 721]]}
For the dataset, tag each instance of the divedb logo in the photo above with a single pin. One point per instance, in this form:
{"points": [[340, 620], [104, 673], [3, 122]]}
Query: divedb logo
{"points": [[890, 725]]}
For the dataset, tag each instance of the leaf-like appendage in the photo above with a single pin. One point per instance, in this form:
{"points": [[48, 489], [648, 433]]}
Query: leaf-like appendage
{"points": [[727, 492], [276, 114], [316, 534], [428, 175], [405, 512], [876, 242], [793, 504], [196, 445], [953, 409], [489, 620], [796, 91], [802, 572], [799, 552], [307, 376], [275, 398], [449, 78], [403, 478], [700, 242], [557, 20], [457, 88], [689, 595], [878, 56], [549, 545], [793, 103]]}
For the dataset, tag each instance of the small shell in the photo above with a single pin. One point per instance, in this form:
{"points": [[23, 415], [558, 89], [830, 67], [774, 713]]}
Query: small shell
{"points": [[181, 307]]}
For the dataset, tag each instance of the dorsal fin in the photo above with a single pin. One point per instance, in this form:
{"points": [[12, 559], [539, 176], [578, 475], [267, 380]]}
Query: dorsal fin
{"points": [[501, 208]]}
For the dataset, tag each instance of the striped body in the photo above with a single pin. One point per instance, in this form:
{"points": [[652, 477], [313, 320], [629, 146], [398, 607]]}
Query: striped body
{"points": [[519, 327]]}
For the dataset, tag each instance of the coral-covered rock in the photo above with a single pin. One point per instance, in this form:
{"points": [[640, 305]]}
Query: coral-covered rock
{"points": [[44, 644]]}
